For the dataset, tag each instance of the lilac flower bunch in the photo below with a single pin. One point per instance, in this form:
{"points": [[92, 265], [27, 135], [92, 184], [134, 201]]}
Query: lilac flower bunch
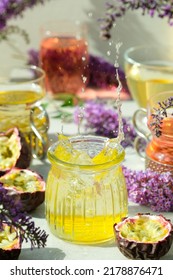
{"points": [[11, 9], [150, 188], [104, 121], [11, 214], [102, 74], [163, 9]]}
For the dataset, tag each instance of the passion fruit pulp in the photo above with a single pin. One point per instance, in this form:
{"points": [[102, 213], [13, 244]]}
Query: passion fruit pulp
{"points": [[10, 243], [14, 151], [26, 186], [144, 236]]}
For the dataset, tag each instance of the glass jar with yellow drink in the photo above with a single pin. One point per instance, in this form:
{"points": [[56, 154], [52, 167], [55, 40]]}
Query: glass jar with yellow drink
{"points": [[86, 192], [149, 70], [21, 91]]}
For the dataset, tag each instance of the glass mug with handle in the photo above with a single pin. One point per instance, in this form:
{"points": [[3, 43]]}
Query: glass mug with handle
{"points": [[22, 89], [157, 132], [149, 70]]}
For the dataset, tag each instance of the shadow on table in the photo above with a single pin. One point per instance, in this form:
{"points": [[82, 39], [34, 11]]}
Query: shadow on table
{"points": [[39, 212], [42, 169], [42, 254]]}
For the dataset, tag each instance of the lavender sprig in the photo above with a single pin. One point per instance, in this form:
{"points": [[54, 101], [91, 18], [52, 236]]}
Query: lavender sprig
{"points": [[104, 122], [14, 8], [11, 9], [163, 9], [11, 214], [150, 188], [159, 114]]}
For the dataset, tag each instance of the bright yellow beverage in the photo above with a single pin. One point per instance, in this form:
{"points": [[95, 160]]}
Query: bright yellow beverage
{"points": [[21, 92], [15, 109], [84, 198], [145, 81]]}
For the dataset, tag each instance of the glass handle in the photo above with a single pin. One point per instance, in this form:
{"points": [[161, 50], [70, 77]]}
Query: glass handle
{"points": [[39, 122], [140, 124]]}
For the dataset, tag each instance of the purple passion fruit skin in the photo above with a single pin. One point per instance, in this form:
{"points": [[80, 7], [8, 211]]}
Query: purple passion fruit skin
{"points": [[144, 236], [25, 157], [14, 151], [25, 186], [10, 244]]}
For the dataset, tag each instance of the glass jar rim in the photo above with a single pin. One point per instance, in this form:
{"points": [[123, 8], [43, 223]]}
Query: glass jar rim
{"points": [[87, 167], [33, 79], [151, 48]]}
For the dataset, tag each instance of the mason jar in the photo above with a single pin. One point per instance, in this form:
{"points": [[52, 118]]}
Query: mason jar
{"points": [[84, 200]]}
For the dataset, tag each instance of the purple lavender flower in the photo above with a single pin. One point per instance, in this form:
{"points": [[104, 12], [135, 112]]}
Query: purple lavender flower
{"points": [[104, 122], [13, 8], [102, 74], [150, 188], [33, 57], [163, 8], [11, 214]]}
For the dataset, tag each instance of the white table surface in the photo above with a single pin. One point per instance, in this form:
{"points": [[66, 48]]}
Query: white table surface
{"points": [[58, 249]]}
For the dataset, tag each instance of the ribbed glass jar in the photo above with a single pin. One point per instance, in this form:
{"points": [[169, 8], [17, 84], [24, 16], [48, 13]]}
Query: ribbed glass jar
{"points": [[84, 201]]}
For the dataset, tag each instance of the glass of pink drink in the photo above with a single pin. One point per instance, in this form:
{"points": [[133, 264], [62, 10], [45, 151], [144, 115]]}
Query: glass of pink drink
{"points": [[64, 57]]}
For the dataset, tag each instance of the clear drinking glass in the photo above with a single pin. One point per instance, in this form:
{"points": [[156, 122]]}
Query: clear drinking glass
{"points": [[149, 70], [64, 57], [22, 89], [83, 201]]}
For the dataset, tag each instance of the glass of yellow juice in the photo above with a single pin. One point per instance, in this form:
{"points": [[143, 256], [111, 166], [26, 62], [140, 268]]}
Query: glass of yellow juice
{"points": [[149, 70], [21, 92], [86, 191]]}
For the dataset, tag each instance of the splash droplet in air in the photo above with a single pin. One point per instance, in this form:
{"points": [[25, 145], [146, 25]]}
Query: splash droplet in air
{"points": [[118, 104]]}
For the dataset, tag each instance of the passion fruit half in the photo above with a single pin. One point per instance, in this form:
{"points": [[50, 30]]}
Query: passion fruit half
{"points": [[14, 151], [25, 185], [10, 243], [144, 236]]}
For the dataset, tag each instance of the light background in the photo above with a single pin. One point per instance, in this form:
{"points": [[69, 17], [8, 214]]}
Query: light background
{"points": [[133, 29]]}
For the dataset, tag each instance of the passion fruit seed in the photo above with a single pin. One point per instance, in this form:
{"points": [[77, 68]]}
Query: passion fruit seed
{"points": [[25, 185], [7, 237], [144, 236], [10, 245], [14, 150], [143, 230], [22, 180], [10, 147]]}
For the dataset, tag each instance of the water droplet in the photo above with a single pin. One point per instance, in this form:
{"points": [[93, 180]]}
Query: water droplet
{"points": [[90, 14], [83, 58], [108, 53], [84, 79]]}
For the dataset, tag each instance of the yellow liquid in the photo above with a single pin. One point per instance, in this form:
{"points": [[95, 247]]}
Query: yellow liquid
{"points": [[84, 229], [146, 82], [16, 97], [15, 109], [82, 206]]}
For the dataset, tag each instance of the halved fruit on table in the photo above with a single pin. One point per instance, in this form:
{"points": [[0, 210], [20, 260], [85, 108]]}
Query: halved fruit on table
{"points": [[144, 236], [25, 185], [10, 243], [14, 151]]}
